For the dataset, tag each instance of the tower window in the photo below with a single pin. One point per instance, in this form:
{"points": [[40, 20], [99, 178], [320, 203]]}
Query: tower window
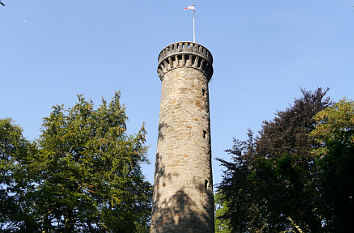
{"points": [[203, 92], [204, 133], [206, 184]]}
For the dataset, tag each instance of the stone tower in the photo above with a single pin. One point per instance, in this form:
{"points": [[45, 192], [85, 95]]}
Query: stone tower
{"points": [[183, 189]]}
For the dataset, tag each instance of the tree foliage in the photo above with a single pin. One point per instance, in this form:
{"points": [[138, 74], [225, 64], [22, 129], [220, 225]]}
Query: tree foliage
{"points": [[269, 184], [84, 175], [16, 179], [221, 225], [335, 163]]}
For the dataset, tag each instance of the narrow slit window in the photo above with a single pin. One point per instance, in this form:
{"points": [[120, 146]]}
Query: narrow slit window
{"points": [[203, 92], [206, 184], [204, 133]]}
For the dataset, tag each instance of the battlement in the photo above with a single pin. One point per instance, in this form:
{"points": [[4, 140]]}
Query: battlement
{"points": [[185, 54]]}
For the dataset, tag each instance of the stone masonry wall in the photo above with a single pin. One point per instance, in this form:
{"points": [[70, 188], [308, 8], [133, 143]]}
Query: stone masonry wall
{"points": [[183, 189]]}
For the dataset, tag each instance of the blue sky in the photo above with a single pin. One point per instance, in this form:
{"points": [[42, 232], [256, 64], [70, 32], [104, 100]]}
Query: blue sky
{"points": [[264, 52]]}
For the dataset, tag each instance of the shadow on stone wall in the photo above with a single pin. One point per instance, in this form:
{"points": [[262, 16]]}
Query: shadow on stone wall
{"points": [[160, 173], [180, 214], [161, 126]]}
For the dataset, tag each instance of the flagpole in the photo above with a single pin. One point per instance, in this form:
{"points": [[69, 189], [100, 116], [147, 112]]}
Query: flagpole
{"points": [[194, 25], [192, 7]]}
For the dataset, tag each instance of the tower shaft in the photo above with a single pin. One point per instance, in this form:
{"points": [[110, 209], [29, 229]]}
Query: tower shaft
{"points": [[183, 190]]}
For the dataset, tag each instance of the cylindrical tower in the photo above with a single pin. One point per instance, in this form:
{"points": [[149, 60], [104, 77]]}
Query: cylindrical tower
{"points": [[183, 189]]}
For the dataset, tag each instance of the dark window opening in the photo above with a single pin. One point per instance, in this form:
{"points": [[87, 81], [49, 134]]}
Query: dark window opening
{"points": [[203, 92], [206, 184], [204, 133]]}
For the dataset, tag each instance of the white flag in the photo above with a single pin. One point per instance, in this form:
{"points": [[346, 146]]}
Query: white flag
{"points": [[192, 7]]}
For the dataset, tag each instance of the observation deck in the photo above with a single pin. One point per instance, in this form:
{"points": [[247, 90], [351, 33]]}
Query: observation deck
{"points": [[185, 54]]}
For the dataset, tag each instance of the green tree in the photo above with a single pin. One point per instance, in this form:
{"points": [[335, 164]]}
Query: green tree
{"points": [[85, 175], [221, 224], [268, 184], [16, 180], [89, 169], [335, 162]]}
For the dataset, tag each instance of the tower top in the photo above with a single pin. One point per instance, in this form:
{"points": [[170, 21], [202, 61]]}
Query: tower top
{"points": [[185, 54]]}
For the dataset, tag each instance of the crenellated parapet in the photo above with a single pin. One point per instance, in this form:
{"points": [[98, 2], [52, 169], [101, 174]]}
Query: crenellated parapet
{"points": [[185, 54]]}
